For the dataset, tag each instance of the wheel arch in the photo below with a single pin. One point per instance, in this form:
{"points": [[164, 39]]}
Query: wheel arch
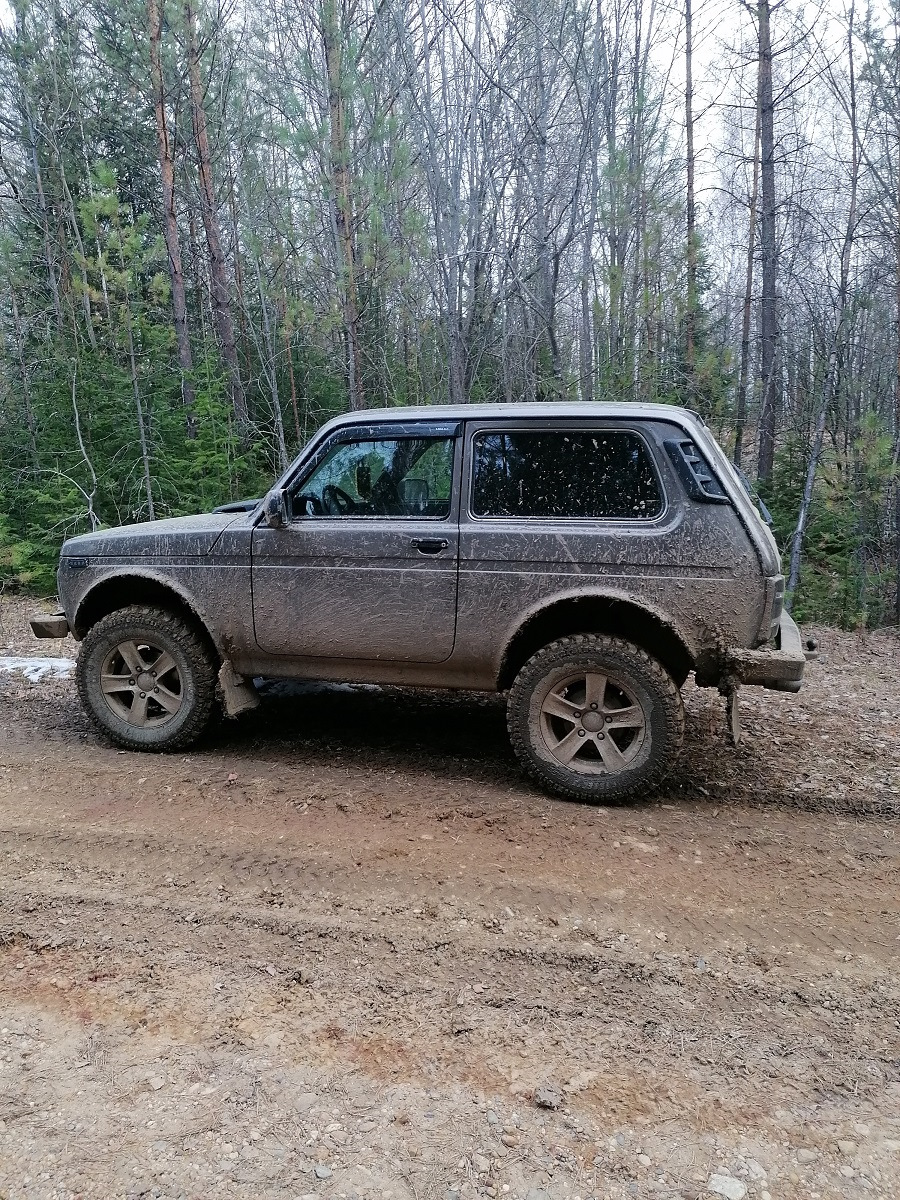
{"points": [[123, 589], [611, 614]]}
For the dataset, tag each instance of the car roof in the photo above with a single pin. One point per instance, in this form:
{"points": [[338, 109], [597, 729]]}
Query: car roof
{"points": [[545, 410]]}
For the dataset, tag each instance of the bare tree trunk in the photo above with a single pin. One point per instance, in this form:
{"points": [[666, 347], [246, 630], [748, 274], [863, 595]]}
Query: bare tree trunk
{"points": [[198, 281], [170, 220], [586, 355], [546, 288], [238, 271], [342, 210], [81, 257], [585, 341], [837, 345], [138, 405], [769, 249], [639, 235], [71, 217], [101, 268], [690, 317], [270, 367], [26, 388], [44, 211], [897, 403], [812, 467], [896, 25], [289, 354], [89, 496], [744, 372], [218, 281], [455, 348]]}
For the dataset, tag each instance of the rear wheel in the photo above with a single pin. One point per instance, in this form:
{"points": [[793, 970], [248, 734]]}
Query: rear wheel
{"points": [[595, 718], [147, 679]]}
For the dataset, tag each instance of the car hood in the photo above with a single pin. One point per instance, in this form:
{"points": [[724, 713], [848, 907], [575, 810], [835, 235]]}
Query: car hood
{"points": [[153, 539]]}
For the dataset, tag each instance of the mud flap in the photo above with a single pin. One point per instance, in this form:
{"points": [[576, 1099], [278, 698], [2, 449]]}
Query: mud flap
{"points": [[238, 696], [730, 691]]}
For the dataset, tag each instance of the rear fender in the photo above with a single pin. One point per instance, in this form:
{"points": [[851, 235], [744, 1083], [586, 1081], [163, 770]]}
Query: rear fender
{"points": [[610, 612]]}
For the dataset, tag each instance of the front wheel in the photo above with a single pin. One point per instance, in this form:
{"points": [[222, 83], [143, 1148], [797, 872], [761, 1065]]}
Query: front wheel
{"points": [[147, 679], [595, 718]]}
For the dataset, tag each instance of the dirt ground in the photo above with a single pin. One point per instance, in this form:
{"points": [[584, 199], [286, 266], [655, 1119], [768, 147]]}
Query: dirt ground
{"points": [[343, 949]]}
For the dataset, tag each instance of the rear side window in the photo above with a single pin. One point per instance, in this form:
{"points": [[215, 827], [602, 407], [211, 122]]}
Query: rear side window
{"points": [[562, 473]]}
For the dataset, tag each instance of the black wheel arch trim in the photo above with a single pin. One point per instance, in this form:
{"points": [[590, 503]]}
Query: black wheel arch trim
{"points": [[570, 613], [162, 586]]}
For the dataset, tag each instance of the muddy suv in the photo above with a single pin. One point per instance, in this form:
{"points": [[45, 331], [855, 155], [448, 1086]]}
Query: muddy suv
{"points": [[586, 558]]}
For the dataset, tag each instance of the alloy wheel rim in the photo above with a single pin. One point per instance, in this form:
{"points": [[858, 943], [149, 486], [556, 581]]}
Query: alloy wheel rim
{"points": [[141, 684], [592, 723]]}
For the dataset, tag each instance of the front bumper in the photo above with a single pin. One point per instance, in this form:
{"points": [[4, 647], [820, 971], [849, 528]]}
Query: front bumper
{"points": [[44, 625], [780, 668]]}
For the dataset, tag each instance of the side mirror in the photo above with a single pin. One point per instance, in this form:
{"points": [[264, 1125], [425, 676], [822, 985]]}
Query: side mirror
{"points": [[276, 509]]}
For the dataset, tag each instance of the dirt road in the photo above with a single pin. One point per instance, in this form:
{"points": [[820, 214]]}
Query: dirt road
{"points": [[344, 949]]}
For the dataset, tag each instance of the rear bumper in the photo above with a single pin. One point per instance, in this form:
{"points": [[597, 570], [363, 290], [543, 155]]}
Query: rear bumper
{"points": [[45, 625], [780, 668]]}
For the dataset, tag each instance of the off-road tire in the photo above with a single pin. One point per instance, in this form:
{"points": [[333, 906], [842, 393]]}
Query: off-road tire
{"points": [[194, 662], [643, 681]]}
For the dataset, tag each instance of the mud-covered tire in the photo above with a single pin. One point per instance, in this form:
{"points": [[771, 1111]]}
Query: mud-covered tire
{"points": [[128, 703], [607, 703]]}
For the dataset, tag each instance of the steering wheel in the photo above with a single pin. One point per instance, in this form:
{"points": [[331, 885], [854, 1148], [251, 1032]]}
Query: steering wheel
{"points": [[336, 502]]}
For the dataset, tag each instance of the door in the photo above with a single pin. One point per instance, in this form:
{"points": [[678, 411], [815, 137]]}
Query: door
{"points": [[366, 566]]}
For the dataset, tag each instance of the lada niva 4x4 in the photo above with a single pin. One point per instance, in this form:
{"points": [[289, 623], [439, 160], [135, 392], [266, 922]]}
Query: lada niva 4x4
{"points": [[584, 558]]}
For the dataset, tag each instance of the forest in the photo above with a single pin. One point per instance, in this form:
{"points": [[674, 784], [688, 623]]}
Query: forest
{"points": [[220, 226]]}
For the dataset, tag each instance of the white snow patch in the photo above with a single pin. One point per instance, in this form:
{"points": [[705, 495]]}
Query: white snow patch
{"points": [[36, 669]]}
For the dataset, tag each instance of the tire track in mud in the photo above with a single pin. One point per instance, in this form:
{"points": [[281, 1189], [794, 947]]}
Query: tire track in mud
{"points": [[524, 976], [662, 896]]}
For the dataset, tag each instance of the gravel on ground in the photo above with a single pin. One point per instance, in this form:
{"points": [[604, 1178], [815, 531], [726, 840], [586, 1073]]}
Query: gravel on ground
{"points": [[344, 949]]}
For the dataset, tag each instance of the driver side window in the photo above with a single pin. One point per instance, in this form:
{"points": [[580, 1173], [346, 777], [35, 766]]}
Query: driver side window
{"points": [[400, 477]]}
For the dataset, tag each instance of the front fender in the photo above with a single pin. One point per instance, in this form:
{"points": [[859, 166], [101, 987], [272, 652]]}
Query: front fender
{"points": [[103, 589]]}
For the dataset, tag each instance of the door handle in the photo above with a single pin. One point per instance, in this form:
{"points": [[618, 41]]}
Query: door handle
{"points": [[429, 545]]}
